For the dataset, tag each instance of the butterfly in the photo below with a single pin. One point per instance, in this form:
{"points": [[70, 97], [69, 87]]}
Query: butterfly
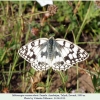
{"points": [[60, 54]]}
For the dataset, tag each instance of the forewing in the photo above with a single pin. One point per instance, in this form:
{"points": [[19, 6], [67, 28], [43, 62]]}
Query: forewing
{"points": [[67, 54], [35, 53]]}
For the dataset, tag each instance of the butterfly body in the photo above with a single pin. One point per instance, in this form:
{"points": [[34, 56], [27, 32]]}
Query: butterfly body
{"points": [[60, 54], [50, 48]]}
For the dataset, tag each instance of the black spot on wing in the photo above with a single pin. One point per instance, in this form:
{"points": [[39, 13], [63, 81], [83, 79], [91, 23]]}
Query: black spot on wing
{"points": [[39, 43], [71, 46], [32, 43], [66, 58], [33, 56], [64, 43], [57, 54], [44, 54], [62, 62]]}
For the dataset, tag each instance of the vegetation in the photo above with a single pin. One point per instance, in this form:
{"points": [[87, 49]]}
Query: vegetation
{"points": [[24, 21]]}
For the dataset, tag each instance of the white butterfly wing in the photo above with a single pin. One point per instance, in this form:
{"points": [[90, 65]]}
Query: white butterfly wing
{"points": [[67, 54], [34, 53], [64, 54]]}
